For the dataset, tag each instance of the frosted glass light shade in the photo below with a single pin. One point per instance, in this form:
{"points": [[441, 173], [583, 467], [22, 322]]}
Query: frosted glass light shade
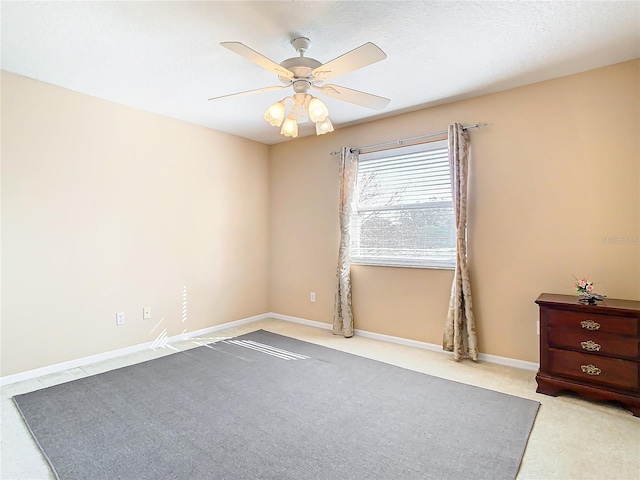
{"points": [[324, 126], [289, 127], [318, 111], [275, 114]]}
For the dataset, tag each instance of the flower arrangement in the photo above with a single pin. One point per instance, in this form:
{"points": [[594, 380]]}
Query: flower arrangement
{"points": [[584, 287]]}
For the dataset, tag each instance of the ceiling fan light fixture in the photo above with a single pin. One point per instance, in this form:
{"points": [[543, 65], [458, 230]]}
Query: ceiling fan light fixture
{"points": [[290, 127], [274, 115], [325, 126], [303, 74], [318, 111]]}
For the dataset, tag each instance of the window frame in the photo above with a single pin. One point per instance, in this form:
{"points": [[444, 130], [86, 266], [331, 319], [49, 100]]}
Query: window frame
{"points": [[425, 262]]}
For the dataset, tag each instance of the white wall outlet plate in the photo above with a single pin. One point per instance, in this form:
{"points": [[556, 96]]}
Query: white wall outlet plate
{"points": [[313, 297], [120, 318], [146, 313]]}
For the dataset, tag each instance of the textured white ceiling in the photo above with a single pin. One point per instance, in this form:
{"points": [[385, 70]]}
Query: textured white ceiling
{"points": [[165, 57]]}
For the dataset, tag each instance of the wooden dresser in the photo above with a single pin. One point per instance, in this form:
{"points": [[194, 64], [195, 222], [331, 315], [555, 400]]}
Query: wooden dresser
{"points": [[592, 350]]}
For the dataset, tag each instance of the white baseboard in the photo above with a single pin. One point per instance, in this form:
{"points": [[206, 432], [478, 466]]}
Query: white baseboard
{"points": [[302, 321], [485, 357], [79, 362], [59, 367], [510, 362]]}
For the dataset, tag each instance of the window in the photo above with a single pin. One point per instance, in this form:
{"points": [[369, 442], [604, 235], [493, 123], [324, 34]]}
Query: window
{"points": [[403, 211]]}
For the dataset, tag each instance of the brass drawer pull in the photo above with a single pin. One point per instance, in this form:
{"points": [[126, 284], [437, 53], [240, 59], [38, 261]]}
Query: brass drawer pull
{"points": [[591, 369], [590, 325], [590, 346]]}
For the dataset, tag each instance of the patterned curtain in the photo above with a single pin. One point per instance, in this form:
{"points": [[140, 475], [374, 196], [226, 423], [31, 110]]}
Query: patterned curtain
{"points": [[342, 314], [460, 328]]}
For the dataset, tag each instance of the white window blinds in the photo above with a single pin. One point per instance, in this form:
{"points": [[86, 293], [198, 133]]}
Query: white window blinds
{"points": [[404, 208]]}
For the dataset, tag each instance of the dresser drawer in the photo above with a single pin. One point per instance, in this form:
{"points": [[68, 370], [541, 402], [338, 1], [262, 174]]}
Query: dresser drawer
{"points": [[621, 374], [592, 322], [596, 343]]}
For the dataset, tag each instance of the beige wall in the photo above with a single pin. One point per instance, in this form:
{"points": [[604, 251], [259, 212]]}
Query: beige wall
{"points": [[554, 176], [109, 209]]}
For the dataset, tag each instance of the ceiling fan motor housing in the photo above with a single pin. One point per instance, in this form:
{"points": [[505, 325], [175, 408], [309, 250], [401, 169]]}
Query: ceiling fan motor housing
{"points": [[301, 86], [301, 67]]}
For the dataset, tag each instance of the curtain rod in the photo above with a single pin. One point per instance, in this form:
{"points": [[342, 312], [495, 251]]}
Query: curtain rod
{"points": [[404, 140]]}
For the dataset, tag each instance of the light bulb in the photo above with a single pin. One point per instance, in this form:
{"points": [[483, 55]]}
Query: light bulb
{"points": [[290, 127], [324, 126], [318, 111], [275, 114]]}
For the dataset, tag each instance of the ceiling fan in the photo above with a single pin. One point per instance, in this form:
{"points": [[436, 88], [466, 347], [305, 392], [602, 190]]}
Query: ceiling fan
{"points": [[305, 73]]}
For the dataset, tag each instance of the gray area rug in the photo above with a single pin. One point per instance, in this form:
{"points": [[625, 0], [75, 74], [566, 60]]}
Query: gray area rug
{"points": [[266, 406]]}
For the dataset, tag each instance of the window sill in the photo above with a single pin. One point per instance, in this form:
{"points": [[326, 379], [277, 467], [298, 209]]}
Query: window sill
{"points": [[366, 263]]}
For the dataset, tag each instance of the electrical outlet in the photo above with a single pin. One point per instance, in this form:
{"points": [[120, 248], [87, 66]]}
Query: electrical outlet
{"points": [[120, 318], [146, 313], [538, 327], [313, 297]]}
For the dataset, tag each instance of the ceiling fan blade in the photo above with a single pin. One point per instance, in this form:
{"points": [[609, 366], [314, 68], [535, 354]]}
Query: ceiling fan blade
{"points": [[251, 92], [357, 58], [255, 57], [354, 96]]}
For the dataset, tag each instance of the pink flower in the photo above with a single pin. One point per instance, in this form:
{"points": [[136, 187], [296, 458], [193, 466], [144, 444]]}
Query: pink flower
{"points": [[582, 283], [589, 287]]}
